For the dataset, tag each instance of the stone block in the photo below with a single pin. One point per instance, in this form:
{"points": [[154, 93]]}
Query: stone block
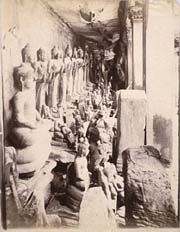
{"points": [[94, 212], [148, 199], [130, 122]]}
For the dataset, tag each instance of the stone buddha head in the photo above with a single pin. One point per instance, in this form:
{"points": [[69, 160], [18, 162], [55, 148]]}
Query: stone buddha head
{"points": [[41, 55], [80, 53], [55, 52], [83, 148], [68, 51], [86, 49], [23, 77], [75, 53], [26, 53]]}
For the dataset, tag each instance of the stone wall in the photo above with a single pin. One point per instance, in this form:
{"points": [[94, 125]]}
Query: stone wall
{"points": [[30, 22], [1, 138]]}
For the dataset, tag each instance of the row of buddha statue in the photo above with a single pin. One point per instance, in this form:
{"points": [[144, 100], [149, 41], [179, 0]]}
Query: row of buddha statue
{"points": [[59, 79]]}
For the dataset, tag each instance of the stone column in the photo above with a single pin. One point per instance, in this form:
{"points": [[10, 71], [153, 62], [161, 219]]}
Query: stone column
{"points": [[129, 54], [130, 122], [136, 17]]}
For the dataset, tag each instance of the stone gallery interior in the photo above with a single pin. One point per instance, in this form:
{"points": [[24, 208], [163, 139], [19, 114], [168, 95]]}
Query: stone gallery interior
{"points": [[89, 117]]}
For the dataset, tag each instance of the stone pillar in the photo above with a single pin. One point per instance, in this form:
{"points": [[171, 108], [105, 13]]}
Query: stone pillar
{"points": [[130, 122], [148, 199], [161, 85], [136, 17], [129, 54]]}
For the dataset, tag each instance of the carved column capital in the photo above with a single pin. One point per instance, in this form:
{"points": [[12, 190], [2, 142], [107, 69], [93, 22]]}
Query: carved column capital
{"points": [[135, 9]]}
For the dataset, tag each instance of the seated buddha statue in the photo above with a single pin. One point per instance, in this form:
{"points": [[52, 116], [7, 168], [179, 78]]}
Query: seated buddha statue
{"points": [[26, 124], [78, 178]]}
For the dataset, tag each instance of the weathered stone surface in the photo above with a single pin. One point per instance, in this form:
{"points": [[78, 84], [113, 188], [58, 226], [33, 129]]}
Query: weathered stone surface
{"points": [[130, 122], [34, 166], [94, 212], [148, 199]]}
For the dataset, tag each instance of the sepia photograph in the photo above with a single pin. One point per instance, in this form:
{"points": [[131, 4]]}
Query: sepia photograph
{"points": [[89, 115]]}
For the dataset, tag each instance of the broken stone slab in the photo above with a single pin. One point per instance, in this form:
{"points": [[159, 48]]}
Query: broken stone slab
{"points": [[148, 199], [130, 121]]}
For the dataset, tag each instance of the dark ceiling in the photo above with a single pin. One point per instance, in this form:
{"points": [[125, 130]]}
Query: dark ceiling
{"points": [[92, 19]]}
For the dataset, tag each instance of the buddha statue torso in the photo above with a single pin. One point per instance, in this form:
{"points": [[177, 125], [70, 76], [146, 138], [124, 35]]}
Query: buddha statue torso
{"points": [[24, 108], [24, 114]]}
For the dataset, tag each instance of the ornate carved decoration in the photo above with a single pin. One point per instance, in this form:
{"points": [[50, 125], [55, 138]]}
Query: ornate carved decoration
{"points": [[136, 9]]}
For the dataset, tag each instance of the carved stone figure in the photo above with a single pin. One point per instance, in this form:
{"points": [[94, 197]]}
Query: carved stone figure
{"points": [[86, 65], [74, 71], [26, 125], [56, 79], [68, 72], [41, 80], [78, 178], [27, 56], [80, 62]]}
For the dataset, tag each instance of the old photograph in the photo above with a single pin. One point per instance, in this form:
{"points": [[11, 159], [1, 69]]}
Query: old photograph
{"points": [[89, 114]]}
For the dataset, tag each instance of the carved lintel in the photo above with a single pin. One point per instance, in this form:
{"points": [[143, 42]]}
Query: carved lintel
{"points": [[135, 9]]}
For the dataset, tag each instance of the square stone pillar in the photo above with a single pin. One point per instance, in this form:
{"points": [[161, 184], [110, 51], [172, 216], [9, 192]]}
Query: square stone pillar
{"points": [[130, 121], [130, 55], [162, 83], [137, 54], [136, 18]]}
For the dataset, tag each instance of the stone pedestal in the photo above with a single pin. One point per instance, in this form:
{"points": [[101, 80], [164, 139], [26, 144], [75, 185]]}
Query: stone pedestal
{"points": [[148, 199], [130, 122], [31, 158]]}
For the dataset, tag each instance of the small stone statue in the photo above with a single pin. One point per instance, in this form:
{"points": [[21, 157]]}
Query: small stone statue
{"points": [[42, 80], [80, 62], [68, 72], [74, 71], [55, 70], [78, 178]]}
